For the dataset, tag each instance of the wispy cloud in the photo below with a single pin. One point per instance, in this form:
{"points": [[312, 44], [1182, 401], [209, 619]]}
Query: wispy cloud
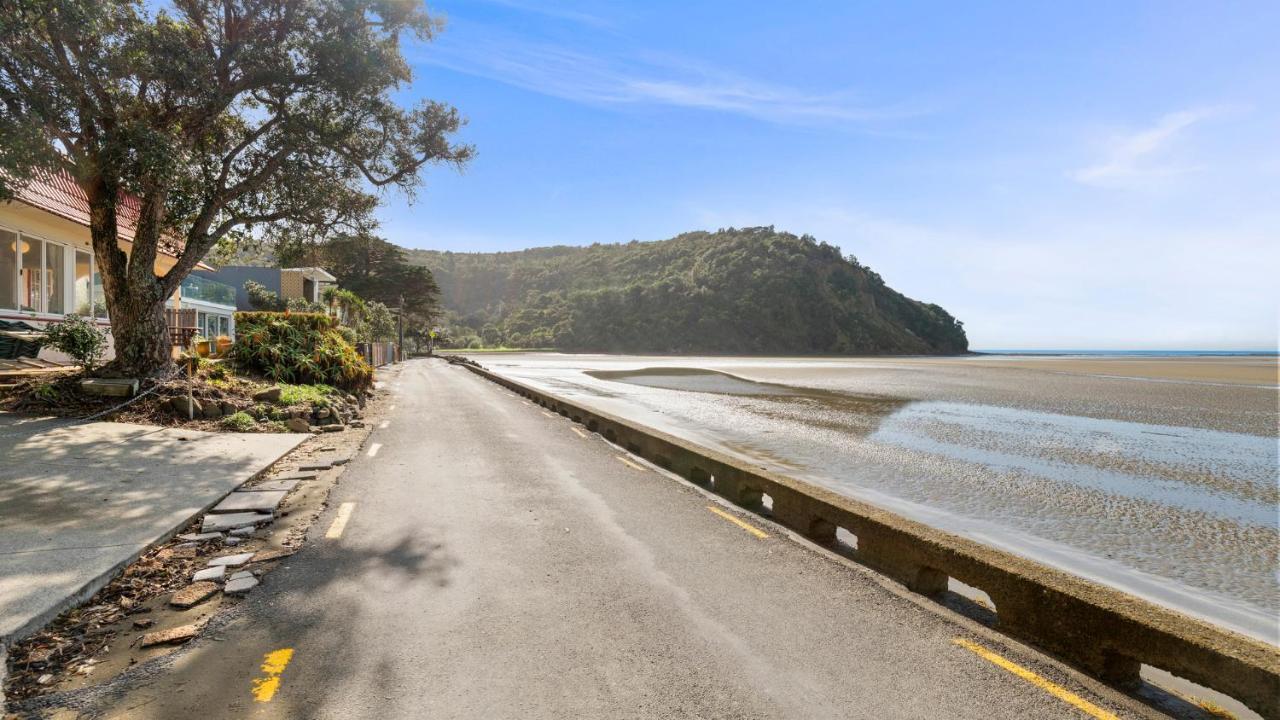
{"points": [[1137, 155], [601, 80], [559, 11]]}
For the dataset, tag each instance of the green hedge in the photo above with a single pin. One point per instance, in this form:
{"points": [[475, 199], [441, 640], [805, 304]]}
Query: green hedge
{"points": [[299, 348]]}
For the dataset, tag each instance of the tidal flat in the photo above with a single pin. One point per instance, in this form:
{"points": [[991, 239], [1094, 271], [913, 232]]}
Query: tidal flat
{"points": [[1159, 476]]}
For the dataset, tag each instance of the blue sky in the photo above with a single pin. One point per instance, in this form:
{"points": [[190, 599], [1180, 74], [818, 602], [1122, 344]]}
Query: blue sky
{"points": [[1058, 175]]}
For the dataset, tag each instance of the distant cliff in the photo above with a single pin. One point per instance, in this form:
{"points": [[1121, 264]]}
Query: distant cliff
{"points": [[751, 290]]}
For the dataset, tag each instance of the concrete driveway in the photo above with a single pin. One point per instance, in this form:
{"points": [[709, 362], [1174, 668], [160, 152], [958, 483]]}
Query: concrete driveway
{"points": [[80, 501]]}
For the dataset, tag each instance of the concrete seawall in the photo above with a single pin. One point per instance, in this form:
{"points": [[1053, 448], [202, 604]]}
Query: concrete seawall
{"points": [[1100, 630]]}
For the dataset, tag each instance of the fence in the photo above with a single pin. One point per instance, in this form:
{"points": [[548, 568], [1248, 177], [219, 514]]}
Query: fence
{"points": [[379, 353]]}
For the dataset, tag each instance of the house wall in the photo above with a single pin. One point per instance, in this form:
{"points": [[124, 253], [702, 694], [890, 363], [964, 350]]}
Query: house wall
{"points": [[41, 225], [237, 275], [291, 282]]}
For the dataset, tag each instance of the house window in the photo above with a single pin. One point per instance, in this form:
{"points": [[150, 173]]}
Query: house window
{"points": [[83, 284], [8, 269], [29, 286], [99, 297], [54, 280]]}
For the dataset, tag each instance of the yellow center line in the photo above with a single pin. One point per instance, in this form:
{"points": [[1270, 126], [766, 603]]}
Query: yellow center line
{"points": [[1048, 686], [744, 525], [629, 464], [273, 665], [579, 431], [340, 522]]}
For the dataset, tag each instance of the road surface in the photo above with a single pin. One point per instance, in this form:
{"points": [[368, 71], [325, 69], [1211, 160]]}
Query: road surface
{"points": [[482, 558]]}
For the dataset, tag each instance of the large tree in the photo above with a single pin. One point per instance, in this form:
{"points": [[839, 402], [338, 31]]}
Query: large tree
{"points": [[371, 267], [222, 118]]}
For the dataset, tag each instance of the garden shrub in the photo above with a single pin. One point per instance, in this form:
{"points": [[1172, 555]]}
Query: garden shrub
{"points": [[78, 337], [299, 348]]}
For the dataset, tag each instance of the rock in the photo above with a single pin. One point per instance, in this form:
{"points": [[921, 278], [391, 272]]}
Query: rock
{"points": [[170, 636], [144, 623], [268, 555], [185, 407], [244, 532], [322, 413], [231, 541], [241, 585], [228, 521], [216, 572], [333, 428], [250, 500], [298, 425], [45, 679], [356, 423], [227, 408], [212, 410], [231, 560], [271, 394]]}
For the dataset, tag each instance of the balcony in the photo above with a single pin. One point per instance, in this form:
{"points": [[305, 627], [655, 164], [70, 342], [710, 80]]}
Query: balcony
{"points": [[206, 290]]}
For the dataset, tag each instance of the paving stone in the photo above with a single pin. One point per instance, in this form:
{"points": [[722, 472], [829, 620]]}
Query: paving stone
{"points": [[243, 532], [242, 574], [250, 501], [231, 560], [299, 476], [210, 573], [193, 594], [200, 537], [240, 585], [298, 425], [265, 555], [170, 636], [281, 485], [234, 520]]}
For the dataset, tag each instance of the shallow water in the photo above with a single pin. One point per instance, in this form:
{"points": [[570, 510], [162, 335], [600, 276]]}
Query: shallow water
{"points": [[1130, 483]]}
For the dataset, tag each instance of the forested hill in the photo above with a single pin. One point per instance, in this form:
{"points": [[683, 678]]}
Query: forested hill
{"points": [[751, 290]]}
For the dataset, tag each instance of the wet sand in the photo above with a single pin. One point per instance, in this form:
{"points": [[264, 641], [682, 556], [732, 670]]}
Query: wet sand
{"points": [[1158, 476]]}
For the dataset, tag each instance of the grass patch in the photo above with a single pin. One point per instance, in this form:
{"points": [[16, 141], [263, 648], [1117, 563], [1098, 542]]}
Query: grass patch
{"points": [[316, 394], [240, 422]]}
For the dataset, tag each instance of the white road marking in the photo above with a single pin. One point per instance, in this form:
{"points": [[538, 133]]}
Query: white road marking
{"points": [[340, 522], [384, 424], [373, 449]]}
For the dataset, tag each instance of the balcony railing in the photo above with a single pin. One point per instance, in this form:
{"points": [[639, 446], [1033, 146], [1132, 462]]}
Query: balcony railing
{"points": [[195, 287]]}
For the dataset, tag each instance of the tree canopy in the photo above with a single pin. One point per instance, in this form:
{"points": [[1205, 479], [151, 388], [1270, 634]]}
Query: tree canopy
{"points": [[222, 118], [751, 290]]}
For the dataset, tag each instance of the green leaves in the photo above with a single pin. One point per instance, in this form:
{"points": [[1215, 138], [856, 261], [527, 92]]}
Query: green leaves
{"points": [[303, 348]]}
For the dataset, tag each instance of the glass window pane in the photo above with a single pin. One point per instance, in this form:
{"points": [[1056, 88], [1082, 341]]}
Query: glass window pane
{"points": [[29, 292], [8, 269], [54, 282], [224, 325], [99, 297], [83, 284]]}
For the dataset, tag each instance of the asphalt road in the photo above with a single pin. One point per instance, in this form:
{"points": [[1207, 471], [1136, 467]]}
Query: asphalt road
{"points": [[496, 562]]}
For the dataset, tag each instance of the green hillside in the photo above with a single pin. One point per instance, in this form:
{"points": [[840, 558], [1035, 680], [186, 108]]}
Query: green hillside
{"points": [[751, 290]]}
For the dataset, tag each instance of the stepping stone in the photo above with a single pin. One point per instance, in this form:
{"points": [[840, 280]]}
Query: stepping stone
{"points": [[209, 574], [193, 594], [315, 465], [250, 501], [299, 476], [231, 560], [200, 537], [234, 520], [240, 585], [243, 532], [270, 485], [170, 636]]}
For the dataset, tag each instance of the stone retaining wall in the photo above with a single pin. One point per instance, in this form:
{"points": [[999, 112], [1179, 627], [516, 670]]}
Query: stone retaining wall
{"points": [[1101, 630]]}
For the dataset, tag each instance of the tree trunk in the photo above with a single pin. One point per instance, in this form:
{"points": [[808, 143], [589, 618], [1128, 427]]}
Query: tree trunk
{"points": [[135, 297], [141, 335]]}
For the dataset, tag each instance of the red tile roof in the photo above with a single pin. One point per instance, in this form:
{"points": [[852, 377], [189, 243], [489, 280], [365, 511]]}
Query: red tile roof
{"points": [[59, 194]]}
